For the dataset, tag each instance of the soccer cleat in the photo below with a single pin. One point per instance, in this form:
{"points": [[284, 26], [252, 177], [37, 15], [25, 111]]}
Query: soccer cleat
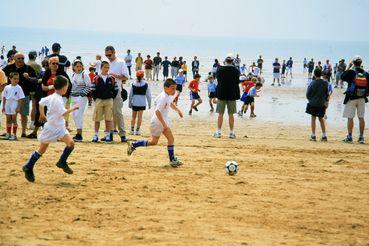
{"points": [[313, 138], [232, 135], [7, 136], [95, 139], [65, 167], [130, 149], [32, 136], [361, 140], [28, 174], [324, 139], [348, 140], [175, 162], [217, 135], [78, 138], [252, 115], [190, 112], [123, 139], [240, 113], [13, 137]]}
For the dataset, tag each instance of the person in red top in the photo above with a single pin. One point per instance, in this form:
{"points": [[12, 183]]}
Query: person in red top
{"points": [[148, 68], [194, 93], [247, 85], [92, 75]]}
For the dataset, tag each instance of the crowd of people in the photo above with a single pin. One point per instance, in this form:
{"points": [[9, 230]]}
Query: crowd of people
{"points": [[54, 95]]}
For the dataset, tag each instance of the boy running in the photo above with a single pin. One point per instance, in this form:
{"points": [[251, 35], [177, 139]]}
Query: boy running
{"points": [[249, 98], [194, 93], [160, 123], [54, 128]]}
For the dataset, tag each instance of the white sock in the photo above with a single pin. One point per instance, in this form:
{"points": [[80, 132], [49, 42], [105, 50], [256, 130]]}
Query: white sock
{"points": [[232, 131], [324, 134]]}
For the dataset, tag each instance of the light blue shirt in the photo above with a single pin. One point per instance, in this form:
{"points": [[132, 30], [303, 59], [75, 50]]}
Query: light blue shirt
{"points": [[180, 79], [252, 92], [128, 59], [212, 87]]}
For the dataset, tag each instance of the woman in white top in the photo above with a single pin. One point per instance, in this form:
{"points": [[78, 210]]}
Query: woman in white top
{"points": [[81, 86]]}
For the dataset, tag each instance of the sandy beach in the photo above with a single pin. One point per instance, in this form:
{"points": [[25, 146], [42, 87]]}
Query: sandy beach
{"points": [[288, 190]]}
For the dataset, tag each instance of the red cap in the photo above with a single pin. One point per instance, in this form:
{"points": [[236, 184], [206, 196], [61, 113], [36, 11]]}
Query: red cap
{"points": [[140, 73]]}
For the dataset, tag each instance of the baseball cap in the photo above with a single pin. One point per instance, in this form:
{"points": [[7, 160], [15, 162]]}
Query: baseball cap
{"points": [[242, 78], [56, 46], [180, 70], [230, 57], [357, 58], [33, 52], [140, 73]]}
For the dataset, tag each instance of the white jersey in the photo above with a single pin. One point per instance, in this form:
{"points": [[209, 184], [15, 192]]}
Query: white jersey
{"points": [[162, 102], [119, 67], [55, 110], [13, 93]]}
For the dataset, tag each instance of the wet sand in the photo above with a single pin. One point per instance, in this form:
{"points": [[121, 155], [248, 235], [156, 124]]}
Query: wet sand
{"points": [[288, 190]]}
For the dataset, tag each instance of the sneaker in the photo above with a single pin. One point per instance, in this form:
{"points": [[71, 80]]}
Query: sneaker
{"points": [[32, 136], [175, 162], [23, 135], [132, 132], [65, 167], [7, 136], [78, 138], [95, 139], [28, 174], [211, 110], [361, 140], [313, 138], [324, 139], [195, 108], [240, 113], [138, 132], [272, 84], [252, 115], [217, 135], [109, 140], [232, 135], [104, 138], [115, 132], [123, 139], [348, 140], [279, 84], [130, 149], [13, 137]]}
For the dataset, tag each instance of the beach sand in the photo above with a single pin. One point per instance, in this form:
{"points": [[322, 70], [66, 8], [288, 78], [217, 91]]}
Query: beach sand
{"points": [[288, 190]]}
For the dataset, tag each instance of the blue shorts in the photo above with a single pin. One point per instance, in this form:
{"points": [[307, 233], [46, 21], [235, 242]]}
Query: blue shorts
{"points": [[194, 95]]}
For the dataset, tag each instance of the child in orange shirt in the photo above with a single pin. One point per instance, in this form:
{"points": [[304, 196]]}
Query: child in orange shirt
{"points": [[194, 93]]}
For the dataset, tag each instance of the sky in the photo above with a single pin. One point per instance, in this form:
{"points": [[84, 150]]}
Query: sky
{"points": [[284, 19]]}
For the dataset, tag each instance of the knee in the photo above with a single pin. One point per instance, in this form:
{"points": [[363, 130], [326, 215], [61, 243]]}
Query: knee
{"points": [[71, 144]]}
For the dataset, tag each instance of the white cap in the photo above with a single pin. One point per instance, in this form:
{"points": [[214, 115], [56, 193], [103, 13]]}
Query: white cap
{"points": [[357, 58], [180, 70], [230, 56], [242, 78]]}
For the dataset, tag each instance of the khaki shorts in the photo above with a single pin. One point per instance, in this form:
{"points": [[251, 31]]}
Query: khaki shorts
{"points": [[352, 105], [231, 106], [103, 108]]}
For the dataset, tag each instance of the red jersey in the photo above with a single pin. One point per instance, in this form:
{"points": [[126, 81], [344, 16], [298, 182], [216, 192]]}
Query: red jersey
{"points": [[194, 85], [247, 85], [50, 81], [92, 76]]}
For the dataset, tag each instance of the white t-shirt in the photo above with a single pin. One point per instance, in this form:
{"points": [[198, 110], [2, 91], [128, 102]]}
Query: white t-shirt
{"points": [[13, 93], [256, 71], [55, 109], [119, 67], [162, 102], [98, 66], [128, 59]]}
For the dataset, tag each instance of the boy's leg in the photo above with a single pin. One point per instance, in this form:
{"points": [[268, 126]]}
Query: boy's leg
{"points": [[246, 107], [28, 167], [192, 104], [15, 125], [141, 143], [139, 119], [97, 126], [252, 106], [133, 121], [62, 163], [231, 122], [172, 158], [199, 101], [313, 126], [211, 104], [9, 121], [322, 125]]}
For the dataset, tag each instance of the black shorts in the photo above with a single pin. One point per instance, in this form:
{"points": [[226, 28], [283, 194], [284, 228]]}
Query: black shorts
{"points": [[212, 95], [135, 108], [179, 88], [248, 100], [315, 111]]}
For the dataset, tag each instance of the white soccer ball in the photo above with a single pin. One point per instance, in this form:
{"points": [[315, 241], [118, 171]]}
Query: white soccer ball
{"points": [[231, 167]]}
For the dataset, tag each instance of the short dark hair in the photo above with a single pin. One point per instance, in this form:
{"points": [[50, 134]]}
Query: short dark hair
{"points": [[91, 69], [12, 74], [169, 83], [2, 57], [197, 76], [104, 63], [32, 56], [109, 47], [357, 63], [259, 84], [318, 72], [60, 81]]}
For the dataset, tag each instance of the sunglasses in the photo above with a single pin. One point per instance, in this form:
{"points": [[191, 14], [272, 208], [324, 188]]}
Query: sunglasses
{"points": [[20, 58], [108, 55], [54, 63]]}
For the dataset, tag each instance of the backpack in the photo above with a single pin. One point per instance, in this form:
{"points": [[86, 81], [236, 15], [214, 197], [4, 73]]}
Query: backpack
{"points": [[359, 87]]}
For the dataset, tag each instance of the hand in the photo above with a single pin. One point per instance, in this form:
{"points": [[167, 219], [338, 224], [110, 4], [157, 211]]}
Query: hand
{"points": [[26, 75], [75, 107], [18, 110], [180, 113], [42, 118]]}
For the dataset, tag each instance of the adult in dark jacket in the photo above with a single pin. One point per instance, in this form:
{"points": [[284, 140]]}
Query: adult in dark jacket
{"points": [[228, 91], [28, 81], [355, 97]]}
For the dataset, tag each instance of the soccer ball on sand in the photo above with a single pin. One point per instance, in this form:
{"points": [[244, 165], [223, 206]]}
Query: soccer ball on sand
{"points": [[231, 167]]}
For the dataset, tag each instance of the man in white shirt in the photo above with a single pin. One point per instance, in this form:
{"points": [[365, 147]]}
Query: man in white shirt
{"points": [[128, 59], [119, 71], [98, 64]]}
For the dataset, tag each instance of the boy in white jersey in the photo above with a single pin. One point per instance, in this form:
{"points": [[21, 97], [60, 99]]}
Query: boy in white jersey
{"points": [[12, 96], [160, 122], [54, 128]]}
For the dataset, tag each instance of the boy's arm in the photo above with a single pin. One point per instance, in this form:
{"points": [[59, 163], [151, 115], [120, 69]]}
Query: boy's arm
{"points": [[42, 114], [4, 102], [75, 107], [174, 107]]}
